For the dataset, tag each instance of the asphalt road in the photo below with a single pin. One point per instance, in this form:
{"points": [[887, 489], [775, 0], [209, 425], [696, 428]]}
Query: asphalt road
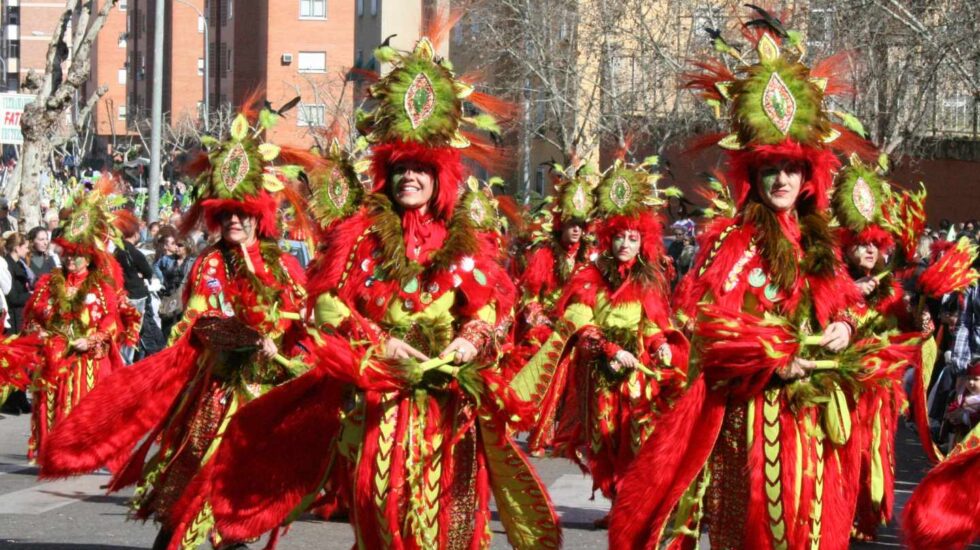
{"points": [[75, 514]]}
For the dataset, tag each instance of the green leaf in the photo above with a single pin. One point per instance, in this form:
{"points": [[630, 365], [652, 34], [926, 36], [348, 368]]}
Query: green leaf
{"points": [[239, 128], [208, 141], [851, 122], [883, 162], [271, 183], [269, 151]]}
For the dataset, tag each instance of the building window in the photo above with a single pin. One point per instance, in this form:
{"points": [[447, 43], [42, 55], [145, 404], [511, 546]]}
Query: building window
{"points": [[374, 7], [311, 114], [201, 23], [122, 112], [228, 60], [360, 7], [200, 66], [122, 39], [312, 62], [539, 179], [121, 76], [312, 9], [123, 5]]}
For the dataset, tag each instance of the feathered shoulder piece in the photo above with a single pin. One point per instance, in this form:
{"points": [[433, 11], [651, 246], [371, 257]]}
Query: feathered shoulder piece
{"points": [[904, 215], [771, 94]]}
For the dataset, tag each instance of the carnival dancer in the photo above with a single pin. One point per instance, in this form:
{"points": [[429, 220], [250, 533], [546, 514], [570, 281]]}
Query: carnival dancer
{"points": [[869, 251], [80, 311], [758, 450], [623, 362], [560, 249], [244, 299], [403, 396]]}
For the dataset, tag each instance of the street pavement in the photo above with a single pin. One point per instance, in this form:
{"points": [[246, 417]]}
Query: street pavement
{"points": [[76, 514]]}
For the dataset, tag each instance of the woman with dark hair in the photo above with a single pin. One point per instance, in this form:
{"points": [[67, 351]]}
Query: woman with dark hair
{"points": [[403, 413], [619, 360], [243, 299], [759, 450], [42, 260], [23, 279], [81, 313]]}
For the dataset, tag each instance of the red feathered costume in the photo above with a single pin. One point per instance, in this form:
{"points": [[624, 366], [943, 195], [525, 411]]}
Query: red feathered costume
{"points": [[605, 412], [179, 401], [83, 317], [739, 453], [884, 315], [417, 457]]}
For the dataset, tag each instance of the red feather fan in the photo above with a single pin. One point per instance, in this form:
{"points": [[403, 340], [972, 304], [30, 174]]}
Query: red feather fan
{"points": [[953, 272], [105, 427], [19, 356]]}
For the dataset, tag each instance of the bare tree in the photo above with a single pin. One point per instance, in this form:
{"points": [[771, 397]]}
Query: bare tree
{"points": [[66, 71]]}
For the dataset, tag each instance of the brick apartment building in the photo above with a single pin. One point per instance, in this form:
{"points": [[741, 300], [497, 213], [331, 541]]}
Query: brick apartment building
{"points": [[185, 26], [288, 48]]}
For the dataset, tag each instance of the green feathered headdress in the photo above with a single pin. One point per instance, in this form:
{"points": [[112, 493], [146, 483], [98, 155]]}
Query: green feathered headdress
{"points": [[575, 192], [95, 216], [242, 165], [339, 186], [777, 97], [859, 196], [420, 100], [628, 190]]}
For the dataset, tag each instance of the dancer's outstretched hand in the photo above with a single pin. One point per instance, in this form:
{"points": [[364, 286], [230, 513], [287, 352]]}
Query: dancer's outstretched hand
{"points": [[798, 368], [625, 359]]}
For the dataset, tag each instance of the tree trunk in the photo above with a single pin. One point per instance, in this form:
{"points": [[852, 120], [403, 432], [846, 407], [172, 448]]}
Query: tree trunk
{"points": [[33, 162]]}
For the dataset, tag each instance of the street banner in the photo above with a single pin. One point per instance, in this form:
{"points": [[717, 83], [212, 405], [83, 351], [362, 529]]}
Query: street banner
{"points": [[11, 109]]}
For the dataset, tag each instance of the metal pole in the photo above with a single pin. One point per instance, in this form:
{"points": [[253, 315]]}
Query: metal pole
{"points": [[207, 63], [157, 117]]}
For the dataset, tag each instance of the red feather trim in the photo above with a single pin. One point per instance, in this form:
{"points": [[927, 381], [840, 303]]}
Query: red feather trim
{"points": [[126, 222], [262, 207], [328, 267], [833, 68], [118, 412], [445, 162], [873, 234], [439, 23], [501, 109], [276, 451], [677, 450], [821, 165], [19, 357], [539, 276], [944, 511]]}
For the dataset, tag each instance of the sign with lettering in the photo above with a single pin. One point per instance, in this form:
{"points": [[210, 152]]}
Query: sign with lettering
{"points": [[11, 109]]}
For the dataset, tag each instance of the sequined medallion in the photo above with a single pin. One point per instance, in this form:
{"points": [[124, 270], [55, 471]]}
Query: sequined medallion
{"points": [[620, 192], [864, 200], [778, 103], [419, 100], [235, 167]]}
